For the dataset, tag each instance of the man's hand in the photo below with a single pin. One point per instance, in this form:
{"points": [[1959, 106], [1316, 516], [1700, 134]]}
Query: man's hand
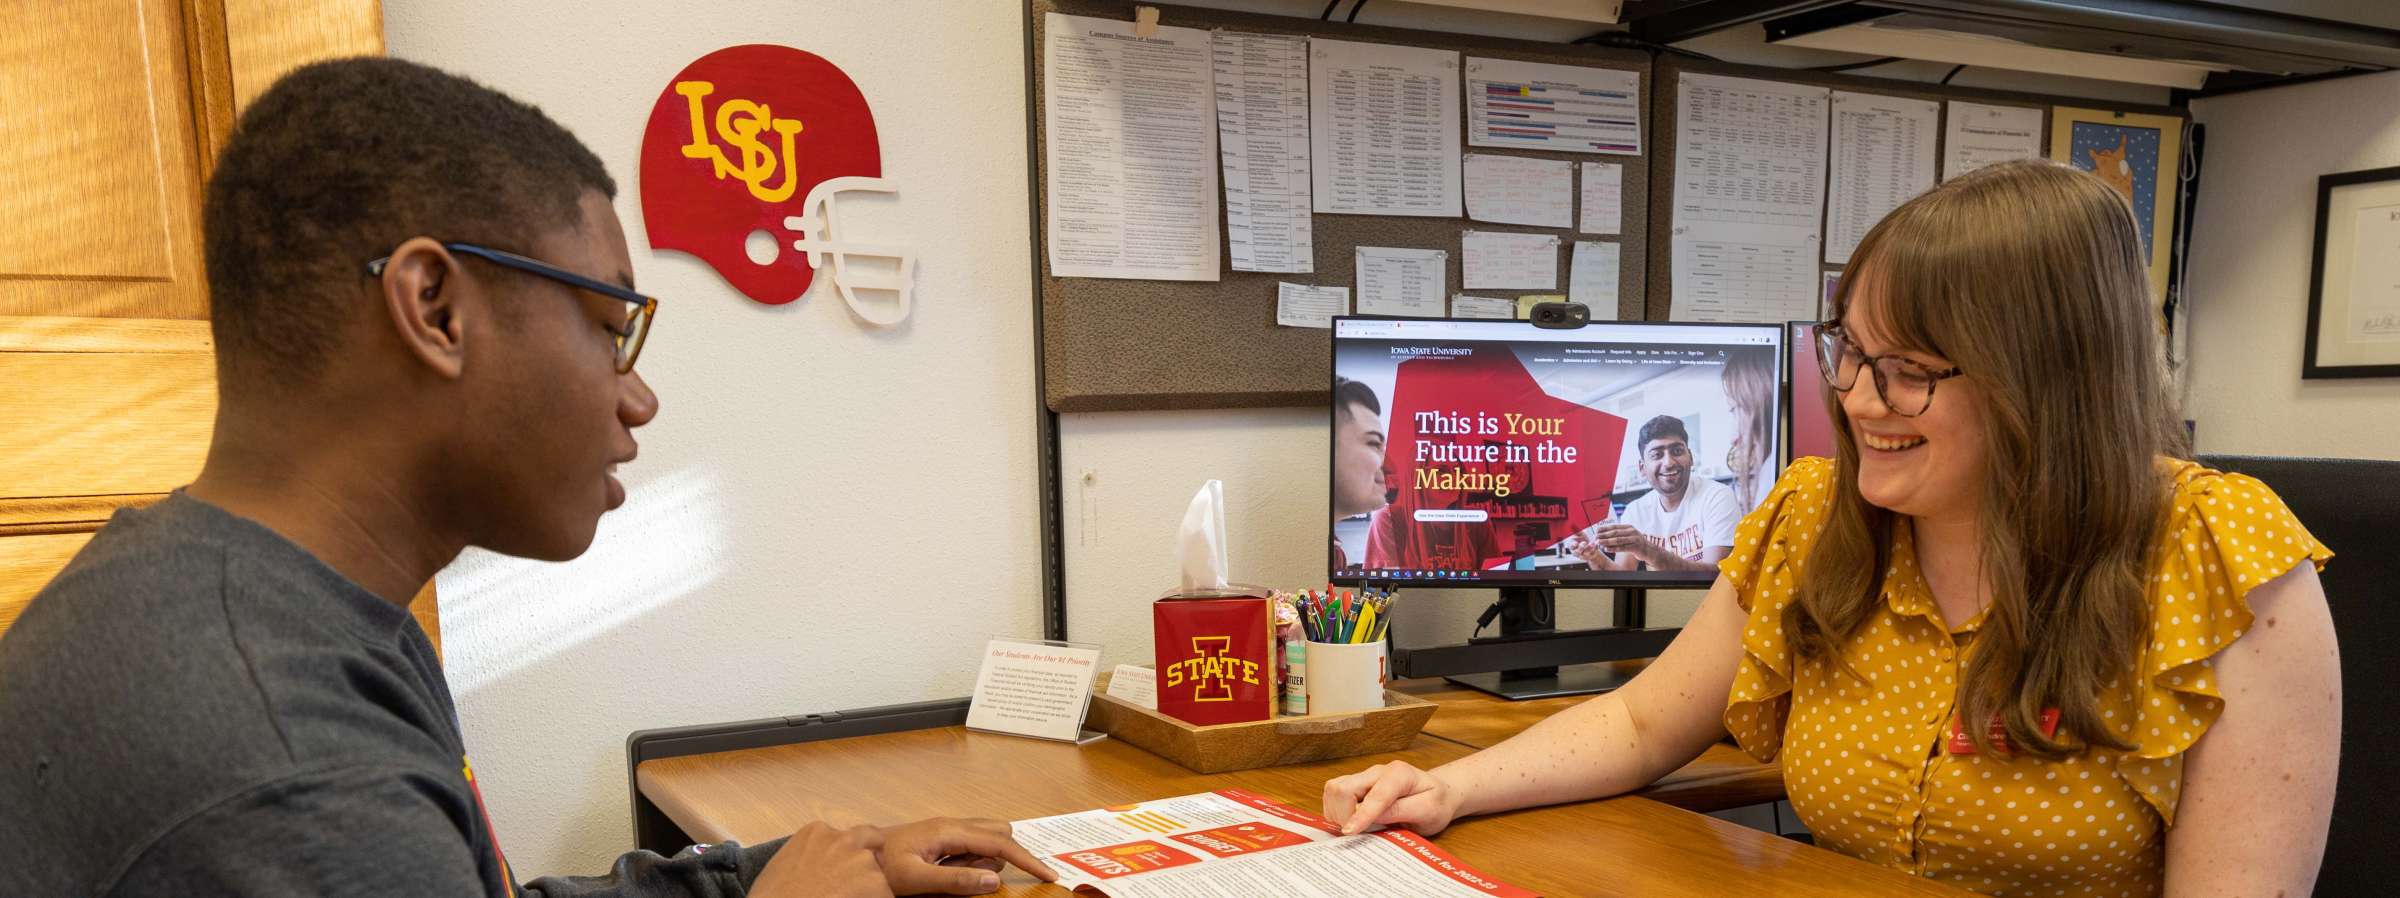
{"points": [[1622, 538], [946, 856], [1588, 551], [820, 860]]}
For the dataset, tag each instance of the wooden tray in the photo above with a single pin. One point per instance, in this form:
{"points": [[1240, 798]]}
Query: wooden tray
{"points": [[1260, 743]]}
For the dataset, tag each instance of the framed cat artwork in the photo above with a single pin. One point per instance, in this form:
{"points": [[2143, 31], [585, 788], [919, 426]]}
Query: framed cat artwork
{"points": [[2139, 155]]}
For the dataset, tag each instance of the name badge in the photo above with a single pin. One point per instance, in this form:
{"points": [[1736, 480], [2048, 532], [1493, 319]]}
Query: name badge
{"points": [[1960, 744]]}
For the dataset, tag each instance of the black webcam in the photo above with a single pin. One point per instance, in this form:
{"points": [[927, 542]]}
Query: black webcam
{"points": [[1561, 315]]}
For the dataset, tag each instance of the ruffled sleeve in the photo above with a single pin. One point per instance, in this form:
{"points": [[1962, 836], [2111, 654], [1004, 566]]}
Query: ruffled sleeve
{"points": [[1764, 569], [2226, 535]]}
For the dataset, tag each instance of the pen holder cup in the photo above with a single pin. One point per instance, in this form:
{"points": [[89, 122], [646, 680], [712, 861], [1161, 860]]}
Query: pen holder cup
{"points": [[1345, 676]]}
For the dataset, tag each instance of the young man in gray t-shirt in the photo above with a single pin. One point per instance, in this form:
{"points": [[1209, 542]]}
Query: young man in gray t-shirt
{"points": [[224, 693], [1684, 523]]}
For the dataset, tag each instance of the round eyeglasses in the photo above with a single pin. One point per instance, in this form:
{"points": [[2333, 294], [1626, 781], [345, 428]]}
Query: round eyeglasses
{"points": [[1905, 386]]}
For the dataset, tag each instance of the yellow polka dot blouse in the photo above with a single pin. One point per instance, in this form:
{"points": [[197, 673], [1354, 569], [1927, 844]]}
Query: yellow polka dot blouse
{"points": [[1864, 761]]}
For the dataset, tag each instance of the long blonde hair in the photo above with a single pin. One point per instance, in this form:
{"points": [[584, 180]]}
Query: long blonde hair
{"points": [[1749, 381], [2029, 276]]}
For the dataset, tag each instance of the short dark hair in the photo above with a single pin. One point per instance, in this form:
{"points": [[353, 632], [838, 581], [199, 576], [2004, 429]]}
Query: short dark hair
{"points": [[342, 160], [1660, 427], [1347, 392]]}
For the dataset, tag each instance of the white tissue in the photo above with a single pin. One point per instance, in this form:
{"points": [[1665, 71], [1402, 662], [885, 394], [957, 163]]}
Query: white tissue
{"points": [[1201, 545]]}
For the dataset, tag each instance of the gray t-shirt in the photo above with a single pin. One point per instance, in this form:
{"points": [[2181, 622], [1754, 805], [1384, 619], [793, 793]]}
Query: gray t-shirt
{"points": [[196, 706]]}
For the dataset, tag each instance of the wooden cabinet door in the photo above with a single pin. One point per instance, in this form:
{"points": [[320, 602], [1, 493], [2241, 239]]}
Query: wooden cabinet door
{"points": [[116, 109]]}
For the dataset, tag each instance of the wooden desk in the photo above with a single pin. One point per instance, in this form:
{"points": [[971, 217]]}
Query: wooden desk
{"points": [[1722, 777], [1617, 847]]}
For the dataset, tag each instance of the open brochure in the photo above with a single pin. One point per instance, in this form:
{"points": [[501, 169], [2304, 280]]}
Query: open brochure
{"points": [[1236, 844]]}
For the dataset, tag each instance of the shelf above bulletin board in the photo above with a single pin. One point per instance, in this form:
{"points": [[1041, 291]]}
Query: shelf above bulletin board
{"points": [[1115, 344]]}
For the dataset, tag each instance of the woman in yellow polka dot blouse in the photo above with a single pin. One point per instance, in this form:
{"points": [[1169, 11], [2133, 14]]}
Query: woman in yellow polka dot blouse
{"points": [[2009, 639]]}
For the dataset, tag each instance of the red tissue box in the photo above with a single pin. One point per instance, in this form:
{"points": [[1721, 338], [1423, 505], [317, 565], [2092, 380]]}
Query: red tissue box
{"points": [[1215, 655]]}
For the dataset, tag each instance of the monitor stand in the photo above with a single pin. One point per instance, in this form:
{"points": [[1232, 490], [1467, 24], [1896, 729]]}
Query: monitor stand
{"points": [[1528, 610]]}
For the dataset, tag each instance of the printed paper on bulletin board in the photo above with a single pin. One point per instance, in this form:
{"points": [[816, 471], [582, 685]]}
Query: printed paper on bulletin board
{"points": [[1122, 344]]}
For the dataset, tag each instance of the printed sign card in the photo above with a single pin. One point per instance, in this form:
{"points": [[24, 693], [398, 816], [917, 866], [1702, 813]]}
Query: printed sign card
{"points": [[1034, 688]]}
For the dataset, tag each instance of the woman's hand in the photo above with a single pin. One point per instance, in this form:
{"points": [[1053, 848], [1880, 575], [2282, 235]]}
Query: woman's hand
{"points": [[1391, 794]]}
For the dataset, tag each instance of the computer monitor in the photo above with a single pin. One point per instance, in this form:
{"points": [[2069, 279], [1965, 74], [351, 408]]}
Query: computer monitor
{"points": [[1501, 453]]}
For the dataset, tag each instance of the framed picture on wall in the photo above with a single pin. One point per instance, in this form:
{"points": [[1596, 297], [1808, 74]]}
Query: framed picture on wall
{"points": [[2354, 277], [2137, 154]]}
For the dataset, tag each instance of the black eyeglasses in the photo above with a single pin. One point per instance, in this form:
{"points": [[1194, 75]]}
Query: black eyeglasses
{"points": [[627, 338], [1905, 386]]}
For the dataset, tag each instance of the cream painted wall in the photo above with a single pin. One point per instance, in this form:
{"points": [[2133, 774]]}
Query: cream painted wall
{"points": [[2250, 258], [823, 516]]}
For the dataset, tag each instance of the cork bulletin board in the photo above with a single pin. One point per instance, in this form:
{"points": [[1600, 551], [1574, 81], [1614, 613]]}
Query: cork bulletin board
{"points": [[1120, 344], [1117, 344], [1661, 139]]}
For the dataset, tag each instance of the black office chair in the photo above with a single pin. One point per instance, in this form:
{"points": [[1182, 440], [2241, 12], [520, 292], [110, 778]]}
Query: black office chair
{"points": [[2353, 507]]}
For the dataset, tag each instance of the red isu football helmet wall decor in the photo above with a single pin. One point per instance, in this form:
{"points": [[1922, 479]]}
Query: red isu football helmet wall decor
{"points": [[766, 138]]}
